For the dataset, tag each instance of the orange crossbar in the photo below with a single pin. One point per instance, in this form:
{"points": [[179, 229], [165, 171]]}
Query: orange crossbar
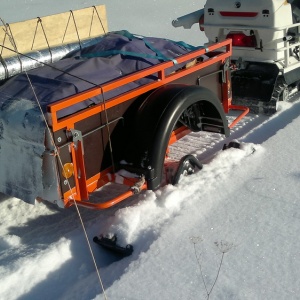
{"points": [[245, 110], [108, 203], [96, 182], [178, 134]]}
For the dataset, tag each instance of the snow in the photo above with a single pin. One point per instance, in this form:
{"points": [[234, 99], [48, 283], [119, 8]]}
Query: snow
{"points": [[230, 231]]}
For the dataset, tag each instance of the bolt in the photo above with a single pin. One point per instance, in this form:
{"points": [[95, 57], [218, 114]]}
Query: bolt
{"points": [[59, 139], [237, 4]]}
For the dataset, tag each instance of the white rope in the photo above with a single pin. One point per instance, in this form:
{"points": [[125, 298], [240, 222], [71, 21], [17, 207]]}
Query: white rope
{"points": [[61, 164], [70, 189]]}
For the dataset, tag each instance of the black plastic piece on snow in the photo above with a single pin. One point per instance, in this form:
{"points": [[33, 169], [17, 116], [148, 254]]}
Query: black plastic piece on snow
{"points": [[232, 145], [111, 244]]}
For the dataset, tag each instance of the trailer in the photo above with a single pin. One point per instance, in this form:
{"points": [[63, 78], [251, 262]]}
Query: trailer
{"points": [[73, 127]]}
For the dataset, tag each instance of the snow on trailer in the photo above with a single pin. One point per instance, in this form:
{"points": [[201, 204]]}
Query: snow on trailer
{"points": [[113, 104]]}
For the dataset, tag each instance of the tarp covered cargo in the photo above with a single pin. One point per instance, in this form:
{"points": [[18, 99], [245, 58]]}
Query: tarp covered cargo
{"points": [[22, 127]]}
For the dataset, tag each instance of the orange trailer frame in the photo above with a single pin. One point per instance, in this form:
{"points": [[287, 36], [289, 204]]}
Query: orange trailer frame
{"points": [[84, 186]]}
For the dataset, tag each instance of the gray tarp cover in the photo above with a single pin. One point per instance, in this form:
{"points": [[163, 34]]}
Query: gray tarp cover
{"points": [[22, 129]]}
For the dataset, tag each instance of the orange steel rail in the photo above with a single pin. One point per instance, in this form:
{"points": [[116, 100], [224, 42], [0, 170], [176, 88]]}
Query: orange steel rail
{"points": [[160, 70], [108, 203], [245, 110], [97, 181], [178, 134]]}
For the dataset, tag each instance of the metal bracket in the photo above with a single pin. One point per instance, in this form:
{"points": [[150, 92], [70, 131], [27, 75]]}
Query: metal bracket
{"points": [[78, 160], [225, 68], [76, 136], [138, 186]]}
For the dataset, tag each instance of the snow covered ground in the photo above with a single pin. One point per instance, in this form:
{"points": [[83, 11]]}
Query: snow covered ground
{"points": [[229, 231]]}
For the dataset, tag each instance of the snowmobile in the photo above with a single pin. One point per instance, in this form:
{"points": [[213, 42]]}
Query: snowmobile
{"points": [[265, 40]]}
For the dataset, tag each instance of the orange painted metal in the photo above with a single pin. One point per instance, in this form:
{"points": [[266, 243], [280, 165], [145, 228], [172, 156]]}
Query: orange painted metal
{"points": [[245, 110], [226, 92], [96, 182], [79, 172], [108, 203], [178, 134], [92, 184]]}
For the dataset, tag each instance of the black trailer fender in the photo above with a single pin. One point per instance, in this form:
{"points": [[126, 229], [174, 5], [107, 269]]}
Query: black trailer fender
{"points": [[196, 107]]}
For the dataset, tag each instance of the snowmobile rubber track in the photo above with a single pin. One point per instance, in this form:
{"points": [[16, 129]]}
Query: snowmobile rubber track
{"points": [[280, 93]]}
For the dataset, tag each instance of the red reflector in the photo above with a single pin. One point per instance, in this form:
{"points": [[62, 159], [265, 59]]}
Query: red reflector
{"points": [[242, 40], [238, 14]]}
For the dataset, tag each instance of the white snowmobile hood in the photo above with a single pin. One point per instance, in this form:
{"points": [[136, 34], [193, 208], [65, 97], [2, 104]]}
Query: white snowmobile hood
{"points": [[246, 5], [260, 13]]}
